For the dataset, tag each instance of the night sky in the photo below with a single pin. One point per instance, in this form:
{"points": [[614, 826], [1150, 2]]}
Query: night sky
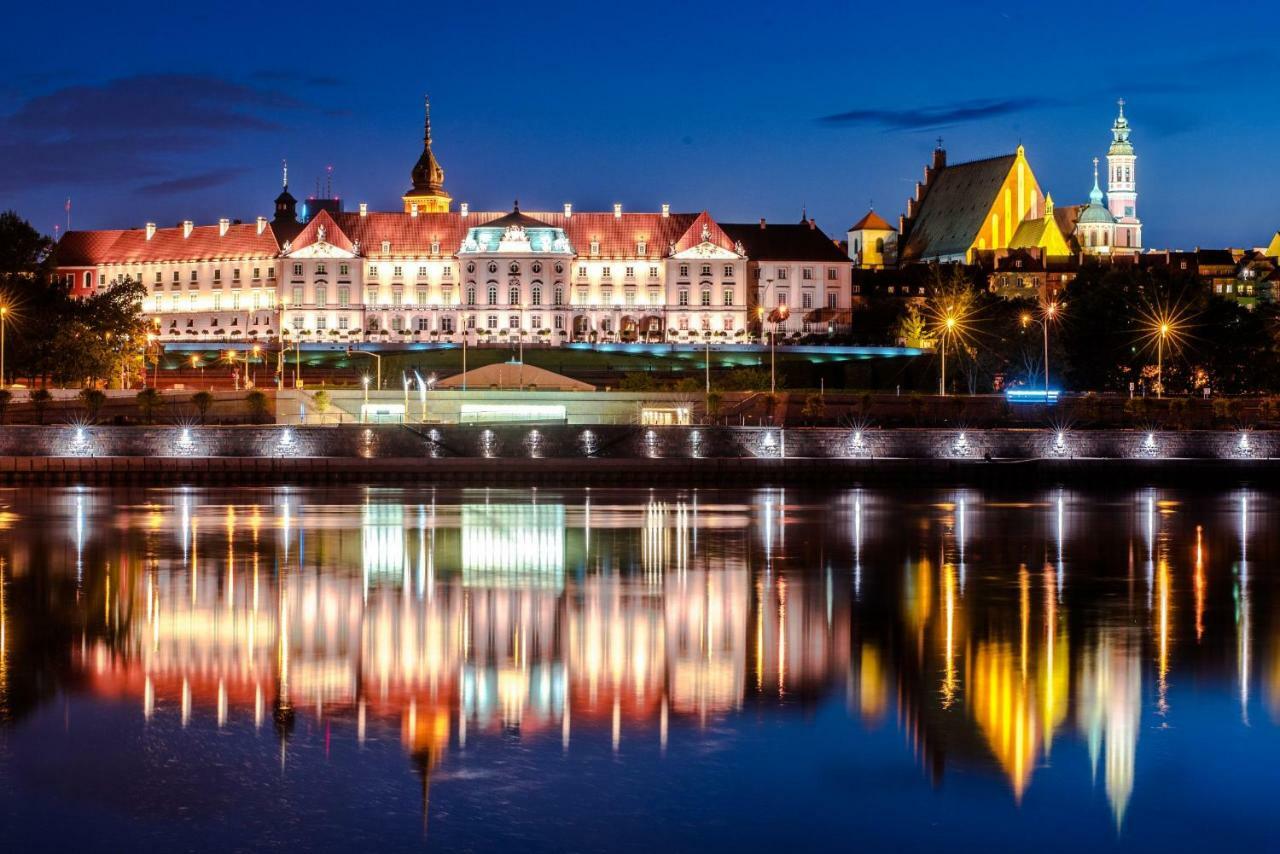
{"points": [[166, 112]]}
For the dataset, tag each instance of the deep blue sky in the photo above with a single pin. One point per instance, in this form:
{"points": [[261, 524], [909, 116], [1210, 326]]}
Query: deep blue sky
{"points": [[164, 112]]}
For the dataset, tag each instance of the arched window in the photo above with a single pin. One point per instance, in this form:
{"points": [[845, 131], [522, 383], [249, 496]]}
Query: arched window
{"points": [[880, 245], [513, 296], [515, 268], [471, 294], [493, 266], [535, 296], [559, 295], [493, 293]]}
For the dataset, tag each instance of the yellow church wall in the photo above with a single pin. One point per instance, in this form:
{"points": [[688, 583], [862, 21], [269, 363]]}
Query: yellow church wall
{"points": [[1019, 196], [427, 204], [1273, 248]]}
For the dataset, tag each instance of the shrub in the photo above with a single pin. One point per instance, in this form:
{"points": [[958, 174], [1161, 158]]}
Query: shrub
{"points": [[40, 400], [203, 401], [93, 401], [258, 406], [147, 400]]}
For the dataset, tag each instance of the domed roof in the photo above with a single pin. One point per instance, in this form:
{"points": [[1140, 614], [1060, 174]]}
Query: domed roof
{"points": [[1095, 212], [1120, 134]]}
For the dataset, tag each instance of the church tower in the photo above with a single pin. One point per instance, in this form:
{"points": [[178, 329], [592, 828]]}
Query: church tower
{"points": [[427, 194], [1122, 188]]}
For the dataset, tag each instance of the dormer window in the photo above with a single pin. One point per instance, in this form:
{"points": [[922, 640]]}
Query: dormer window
{"points": [[642, 248], [386, 247], [595, 247], [435, 247]]}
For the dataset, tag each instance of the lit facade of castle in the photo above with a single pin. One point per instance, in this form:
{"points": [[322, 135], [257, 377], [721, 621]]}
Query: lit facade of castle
{"points": [[432, 273]]}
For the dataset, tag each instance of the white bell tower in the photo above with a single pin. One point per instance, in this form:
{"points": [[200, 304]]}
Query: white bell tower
{"points": [[1122, 188]]}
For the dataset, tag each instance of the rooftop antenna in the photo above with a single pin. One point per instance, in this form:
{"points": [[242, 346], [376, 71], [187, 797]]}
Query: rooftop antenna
{"points": [[328, 188], [68, 207]]}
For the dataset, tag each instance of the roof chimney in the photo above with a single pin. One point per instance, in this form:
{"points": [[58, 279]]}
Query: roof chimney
{"points": [[666, 210], [762, 222], [151, 230], [463, 209], [364, 209], [617, 210], [939, 156], [568, 210], [187, 226], [262, 224], [413, 209], [223, 225], [813, 225]]}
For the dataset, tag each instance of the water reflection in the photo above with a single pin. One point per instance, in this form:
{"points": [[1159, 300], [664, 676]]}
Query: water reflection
{"points": [[979, 629]]}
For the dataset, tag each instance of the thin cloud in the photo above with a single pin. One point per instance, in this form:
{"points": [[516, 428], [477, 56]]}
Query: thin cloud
{"points": [[282, 75], [191, 183], [939, 116], [132, 128]]}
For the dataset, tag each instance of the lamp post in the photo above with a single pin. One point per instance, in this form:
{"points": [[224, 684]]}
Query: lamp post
{"points": [[4, 316], [948, 325], [254, 351], [1050, 313], [708, 365], [1161, 335], [364, 411], [377, 361]]}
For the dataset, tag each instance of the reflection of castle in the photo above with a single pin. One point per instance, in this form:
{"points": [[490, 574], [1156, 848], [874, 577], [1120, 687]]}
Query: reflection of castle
{"points": [[449, 622]]}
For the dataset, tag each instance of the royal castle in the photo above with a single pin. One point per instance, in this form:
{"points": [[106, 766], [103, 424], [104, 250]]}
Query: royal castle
{"points": [[433, 271]]}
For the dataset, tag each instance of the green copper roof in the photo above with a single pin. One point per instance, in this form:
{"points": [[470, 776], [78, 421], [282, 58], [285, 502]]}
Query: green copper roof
{"points": [[1120, 135]]}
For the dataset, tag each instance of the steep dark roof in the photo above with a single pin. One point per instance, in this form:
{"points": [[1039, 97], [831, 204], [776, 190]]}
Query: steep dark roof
{"points": [[785, 242], [954, 207]]}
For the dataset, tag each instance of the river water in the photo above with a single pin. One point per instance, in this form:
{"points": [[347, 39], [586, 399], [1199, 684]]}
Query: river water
{"points": [[585, 670]]}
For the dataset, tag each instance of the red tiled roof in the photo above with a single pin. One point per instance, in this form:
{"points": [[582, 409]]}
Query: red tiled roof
{"points": [[84, 248], [131, 246], [333, 235], [872, 222]]}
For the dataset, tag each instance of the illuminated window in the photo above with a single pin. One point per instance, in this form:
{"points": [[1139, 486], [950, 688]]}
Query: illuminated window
{"points": [[493, 295], [513, 296], [728, 296], [728, 271], [682, 298], [322, 296], [706, 297], [535, 296]]}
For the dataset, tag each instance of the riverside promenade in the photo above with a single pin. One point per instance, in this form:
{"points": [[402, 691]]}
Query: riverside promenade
{"points": [[627, 455]]}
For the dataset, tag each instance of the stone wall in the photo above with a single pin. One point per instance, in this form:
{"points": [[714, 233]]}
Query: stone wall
{"points": [[627, 442]]}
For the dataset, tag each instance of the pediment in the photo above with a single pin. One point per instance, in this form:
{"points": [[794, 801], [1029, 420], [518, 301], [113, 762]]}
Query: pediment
{"points": [[706, 251], [321, 249]]}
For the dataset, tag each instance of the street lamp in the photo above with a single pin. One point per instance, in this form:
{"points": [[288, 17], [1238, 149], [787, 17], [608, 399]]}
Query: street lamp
{"points": [[1162, 334], [948, 329], [1050, 314], [365, 378], [4, 315]]}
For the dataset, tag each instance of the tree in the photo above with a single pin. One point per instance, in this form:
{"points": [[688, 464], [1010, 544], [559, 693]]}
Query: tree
{"points": [[148, 400], [715, 402], [93, 401], [815, 407], [203, 401], [913, 329], [22, 248], [40, 400], [258, 406], [322, 403]]}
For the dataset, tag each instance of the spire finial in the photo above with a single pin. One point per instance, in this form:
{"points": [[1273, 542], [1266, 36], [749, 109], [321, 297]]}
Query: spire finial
{"points": [[1121, 104], [284, 168], [939, 143], [426, 109], [517, 206]]}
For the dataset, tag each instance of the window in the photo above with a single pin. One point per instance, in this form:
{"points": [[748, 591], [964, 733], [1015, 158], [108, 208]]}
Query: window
{"points": [[684, 323], [782, 273], [582, 296], [471, 296], [706, 269], [271, 272], [493, 266], [446, 324], [832, 274], [195, 276], [235, 275], [595, 247], [629, 295], [322, 321], [448, 271], [582, 271], [728, 296], [257, 272], [397, 272], [322, 296], [297, 295], [558, 296], [653, 272], [782, 297], [420, 297], [344, 323], [684, 269], [728, 271], [654, 297], [235, 301], [343, 270], [373, 271], [706, 297], [397, 322], [807, 274], [397, 297], [321, 269], [513, 296], [493, 295], [514, 268], [631, 272], [535, 321], [642, 247], [535, 296], [424, 324], [296, 322], [217, 275], [422, 272], [682, 298], [606, 295], [806, 300], [386, 247], [606, 272], [217, 302], [831, 299], [559, 321], [513, 321], [370, 296], [157, 277], [537, 267], [177, 277]]}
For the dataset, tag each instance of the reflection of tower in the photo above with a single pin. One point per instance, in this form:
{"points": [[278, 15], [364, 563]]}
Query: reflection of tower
{"points": [[1109, 701]]}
